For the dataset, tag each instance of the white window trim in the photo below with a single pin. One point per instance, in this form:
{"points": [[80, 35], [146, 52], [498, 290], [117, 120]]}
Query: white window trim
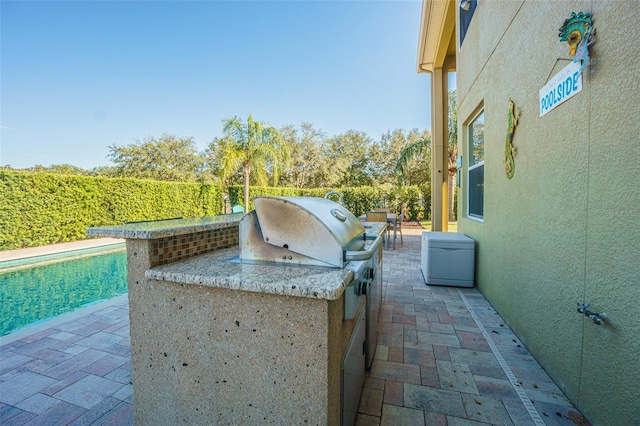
{"points": [[470, 167]]}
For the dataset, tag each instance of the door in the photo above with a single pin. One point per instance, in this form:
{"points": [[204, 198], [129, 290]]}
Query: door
{"points": [[353, 371], [610, 380]]}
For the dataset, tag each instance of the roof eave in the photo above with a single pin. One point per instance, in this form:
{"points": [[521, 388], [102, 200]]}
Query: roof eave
{"points": [[437, 27]]}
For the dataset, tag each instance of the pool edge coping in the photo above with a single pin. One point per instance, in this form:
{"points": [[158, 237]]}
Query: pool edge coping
{"points": [[21, 253]]}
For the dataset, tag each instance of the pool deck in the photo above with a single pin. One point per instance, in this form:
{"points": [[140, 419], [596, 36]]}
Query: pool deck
{"points": [[435, 362], [71, 369]]}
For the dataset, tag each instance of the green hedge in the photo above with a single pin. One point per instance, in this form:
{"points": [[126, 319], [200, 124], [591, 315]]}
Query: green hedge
{"points": [[44, 208], [358, 200]]}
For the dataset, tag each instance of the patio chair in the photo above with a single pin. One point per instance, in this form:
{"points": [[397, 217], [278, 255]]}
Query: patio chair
{"points": [[379, 217], [399, 221], [237, 209], [382, 209]]}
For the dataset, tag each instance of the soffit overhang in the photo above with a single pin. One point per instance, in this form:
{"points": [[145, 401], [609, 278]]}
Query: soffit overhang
{"points": [[437, 39]]}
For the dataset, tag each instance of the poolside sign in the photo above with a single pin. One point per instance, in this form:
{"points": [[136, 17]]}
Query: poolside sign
{"points": [[563, 86]]}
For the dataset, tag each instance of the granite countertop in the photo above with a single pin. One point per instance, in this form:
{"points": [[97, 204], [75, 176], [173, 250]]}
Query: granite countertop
{"points": [[164, 228], [215, 270]]}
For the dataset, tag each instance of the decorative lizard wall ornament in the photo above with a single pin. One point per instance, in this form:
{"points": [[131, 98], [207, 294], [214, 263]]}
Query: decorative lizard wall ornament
{"points": [[579, 33], [509, 149]]}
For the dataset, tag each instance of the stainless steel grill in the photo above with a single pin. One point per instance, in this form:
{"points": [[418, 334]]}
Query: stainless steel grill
{"points": [[309, 231], [303, 230]]}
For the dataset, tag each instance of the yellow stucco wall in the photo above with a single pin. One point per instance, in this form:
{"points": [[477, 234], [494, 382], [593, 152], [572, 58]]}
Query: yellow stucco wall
{"points": [[566, 228]]}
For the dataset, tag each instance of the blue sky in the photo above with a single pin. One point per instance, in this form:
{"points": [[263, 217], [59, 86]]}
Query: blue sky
{"points": [[79, 76]]}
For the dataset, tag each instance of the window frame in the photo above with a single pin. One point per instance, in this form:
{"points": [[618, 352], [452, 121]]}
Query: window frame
{"points": [[475, 166], [465, 17]]}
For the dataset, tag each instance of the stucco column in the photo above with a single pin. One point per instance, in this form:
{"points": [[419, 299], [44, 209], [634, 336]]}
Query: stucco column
{"points": [[439, 147]]}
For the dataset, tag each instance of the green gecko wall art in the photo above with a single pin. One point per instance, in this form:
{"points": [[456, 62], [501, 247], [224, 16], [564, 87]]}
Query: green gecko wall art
{"points": [[509, 149]]}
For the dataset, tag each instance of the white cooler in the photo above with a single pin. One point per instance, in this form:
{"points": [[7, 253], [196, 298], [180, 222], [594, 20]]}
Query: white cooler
{"points": [[447, 258]]}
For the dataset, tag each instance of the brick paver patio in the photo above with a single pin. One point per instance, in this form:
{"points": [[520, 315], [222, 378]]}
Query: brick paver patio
{"points": [[433, 365], [74, 369]]}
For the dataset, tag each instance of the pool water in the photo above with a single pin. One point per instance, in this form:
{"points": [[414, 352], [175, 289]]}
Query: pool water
{"points": [[45, 290]]}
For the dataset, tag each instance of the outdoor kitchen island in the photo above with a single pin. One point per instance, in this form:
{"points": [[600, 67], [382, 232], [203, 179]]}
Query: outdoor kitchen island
{"points": [[215, 340]]}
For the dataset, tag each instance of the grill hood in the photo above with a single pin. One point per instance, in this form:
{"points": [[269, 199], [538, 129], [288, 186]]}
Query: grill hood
{"points": [[303, 230]]}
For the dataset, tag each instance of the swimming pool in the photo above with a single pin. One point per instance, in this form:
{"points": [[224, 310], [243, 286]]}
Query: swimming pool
{"points": [[53, 285]]}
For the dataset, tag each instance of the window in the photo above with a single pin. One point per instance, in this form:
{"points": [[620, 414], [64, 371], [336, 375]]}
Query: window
{"points": [[475, 181], [467, 8]]}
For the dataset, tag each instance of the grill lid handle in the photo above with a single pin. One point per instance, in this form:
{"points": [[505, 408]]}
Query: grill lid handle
{"points": [[364, 254], [338, 215]]}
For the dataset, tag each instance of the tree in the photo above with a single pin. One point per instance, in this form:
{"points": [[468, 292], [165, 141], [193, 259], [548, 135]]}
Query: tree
{"points": [[64, 169], [168, 159], [347, 159], [385, 154], [105, 171], [420, 148], [306, 156], [423, 145], [452, 151], [253, 147]]}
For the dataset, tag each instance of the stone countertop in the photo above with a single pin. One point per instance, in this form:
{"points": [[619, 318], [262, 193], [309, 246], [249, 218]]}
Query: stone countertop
{"points": [[215, 270], [151, 230]]}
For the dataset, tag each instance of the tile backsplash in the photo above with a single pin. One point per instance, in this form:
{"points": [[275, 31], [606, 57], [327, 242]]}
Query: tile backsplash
{"points": [[171, 249]]}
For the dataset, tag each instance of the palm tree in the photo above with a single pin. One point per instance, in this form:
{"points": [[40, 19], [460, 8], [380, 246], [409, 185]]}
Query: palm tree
{"points": [[253, 147], [416, 149], [411, 152]]}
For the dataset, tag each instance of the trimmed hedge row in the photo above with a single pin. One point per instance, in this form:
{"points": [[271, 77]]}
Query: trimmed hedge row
{"points": [[45, 208], [358, 200]]}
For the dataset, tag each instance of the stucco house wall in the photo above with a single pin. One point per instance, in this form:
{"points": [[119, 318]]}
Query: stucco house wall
{"points": [[566, 228]]}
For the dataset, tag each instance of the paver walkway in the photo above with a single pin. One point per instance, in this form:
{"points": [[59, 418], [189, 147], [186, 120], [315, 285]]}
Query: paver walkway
{"points": [[74, 369], [433, 365]]}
